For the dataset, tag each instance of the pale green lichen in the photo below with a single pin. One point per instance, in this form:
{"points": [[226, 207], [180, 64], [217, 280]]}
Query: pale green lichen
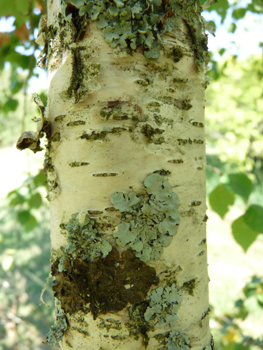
{"points": [[150, 221], [173, 340], [56, 332], [84, 239], [164, 306], [132, 23]]}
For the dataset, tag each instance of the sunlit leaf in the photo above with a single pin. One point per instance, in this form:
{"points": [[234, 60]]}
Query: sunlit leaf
{"points": [[40, 179], [239, 184], [239, 13], [17, 199], [23, 216], [10, 105], [30, 224], [220, 199], [35, 200], [232, 28], [254, 217], [242, 233]]}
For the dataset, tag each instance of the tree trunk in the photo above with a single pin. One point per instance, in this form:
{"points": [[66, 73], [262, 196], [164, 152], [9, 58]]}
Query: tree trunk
{"points": [[125, 162]]}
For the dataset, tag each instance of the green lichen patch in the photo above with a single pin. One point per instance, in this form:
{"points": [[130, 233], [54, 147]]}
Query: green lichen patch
{"points": [[173, 340], [77, 164], [130, 24], [101, 282], [189, 286], [149, 221], [164, 306], [84, 239], [57, 331]]}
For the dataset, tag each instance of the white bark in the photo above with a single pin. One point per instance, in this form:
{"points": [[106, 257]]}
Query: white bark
{"points": [[150, 101]]}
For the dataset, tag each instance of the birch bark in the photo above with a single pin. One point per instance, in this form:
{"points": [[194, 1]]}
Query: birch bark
{"points": [[126, 142]]}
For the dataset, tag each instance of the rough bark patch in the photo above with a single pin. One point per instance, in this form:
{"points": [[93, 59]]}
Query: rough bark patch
{"points": [[107, 284]]}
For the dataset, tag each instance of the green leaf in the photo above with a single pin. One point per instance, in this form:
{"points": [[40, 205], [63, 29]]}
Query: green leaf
{"points": [[10, 105], [239, 13], [35, 200], [260, 299], [239, 184], [222, 51], [40, 179], [23, 216], [220, 199], [253, 217], [16, 86], [221, 8], [31, 223], [232, 28], [242, 233], [27, 220], [17, 199]]}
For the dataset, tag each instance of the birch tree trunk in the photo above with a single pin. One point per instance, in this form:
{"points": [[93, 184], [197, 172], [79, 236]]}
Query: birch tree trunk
{"points": [[125, 162]]}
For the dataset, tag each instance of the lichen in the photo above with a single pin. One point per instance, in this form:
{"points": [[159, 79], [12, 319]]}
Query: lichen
{"points": [[149, 221], [137, 325], [100, 283], [173, 340], [129, 24], [83, 238], [164, 306], [57, 331]]}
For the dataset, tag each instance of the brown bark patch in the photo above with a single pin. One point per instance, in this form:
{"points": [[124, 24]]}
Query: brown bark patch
{"points": [[105, 284]]}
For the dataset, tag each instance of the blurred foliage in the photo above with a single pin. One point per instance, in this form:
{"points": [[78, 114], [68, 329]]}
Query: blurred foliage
{"points": [[235, 145], [228, 333], [24, 257]]}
